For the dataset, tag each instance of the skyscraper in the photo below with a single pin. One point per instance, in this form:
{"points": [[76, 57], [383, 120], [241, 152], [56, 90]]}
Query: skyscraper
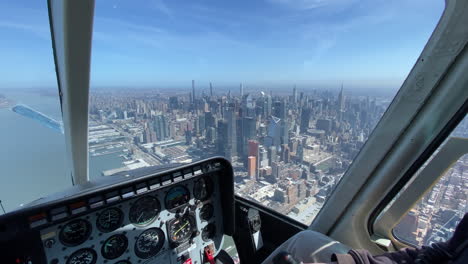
{"points": [[241, 90], [249, 131], [209, 120], [262, 158], [305, 118], [193, 91], [201, 124], [285, 153], [294, 99], [280, 109], [253, 151], [223, 147], [252, 167], [272, 155], [149, 135], [274, 130], [211, 90], [341, 100], [188, 137], [268, 106], [161, 127], [211, 135], [231, 126], [173, 102], [253, 148], [300, 152], [248, 106]]}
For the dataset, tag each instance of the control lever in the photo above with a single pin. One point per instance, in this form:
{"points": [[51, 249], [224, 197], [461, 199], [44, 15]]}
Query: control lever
{"points": [[284, 258], [223, 258], [255, 223], [248, 234]]}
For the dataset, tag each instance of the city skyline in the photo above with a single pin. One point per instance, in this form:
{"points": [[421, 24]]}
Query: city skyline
{"points": [[288, 150], [233, 87]]}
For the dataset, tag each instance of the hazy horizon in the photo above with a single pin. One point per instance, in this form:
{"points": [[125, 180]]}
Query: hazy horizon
{"points": [[233, 89]]}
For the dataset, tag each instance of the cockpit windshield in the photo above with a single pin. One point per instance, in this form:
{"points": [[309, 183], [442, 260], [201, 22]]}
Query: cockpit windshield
{"points": [[288, 91]]}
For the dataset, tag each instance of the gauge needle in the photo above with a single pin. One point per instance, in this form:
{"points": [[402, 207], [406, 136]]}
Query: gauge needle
{"points": [[139, 217], [175, 233]]}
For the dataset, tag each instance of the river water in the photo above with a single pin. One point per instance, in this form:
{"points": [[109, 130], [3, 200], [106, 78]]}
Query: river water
{"points": [[32, 156]]}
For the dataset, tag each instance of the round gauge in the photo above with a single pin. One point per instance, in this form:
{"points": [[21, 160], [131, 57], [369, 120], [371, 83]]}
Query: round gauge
{"points": [[203, 188], [83, 256], [109, 220], [144, 211], [114, 246], [75, 232], [208, 232], [149, 243], [123, 262], [181, 229], [176, 197], [206, 212]]}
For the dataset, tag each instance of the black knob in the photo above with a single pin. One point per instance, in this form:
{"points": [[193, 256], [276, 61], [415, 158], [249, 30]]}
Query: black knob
{"points": [[284, 258]]}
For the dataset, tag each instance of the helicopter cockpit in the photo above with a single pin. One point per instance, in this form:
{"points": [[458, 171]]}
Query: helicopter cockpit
{"points": [[404, 185]]}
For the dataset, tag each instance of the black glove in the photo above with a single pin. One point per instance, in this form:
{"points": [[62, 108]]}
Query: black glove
{"points": [[459, 240]]}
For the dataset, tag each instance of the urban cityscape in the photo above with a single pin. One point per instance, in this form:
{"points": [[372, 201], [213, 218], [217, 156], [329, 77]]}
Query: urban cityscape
{"points": [[436, 216], [288, 150]]}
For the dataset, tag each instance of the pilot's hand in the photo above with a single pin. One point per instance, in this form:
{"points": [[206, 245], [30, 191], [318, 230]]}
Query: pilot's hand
{"points": [[284, 258], [459, 240]]}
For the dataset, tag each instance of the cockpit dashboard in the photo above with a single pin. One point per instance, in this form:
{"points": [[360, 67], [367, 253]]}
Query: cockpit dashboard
{"points": [[173, 216]]}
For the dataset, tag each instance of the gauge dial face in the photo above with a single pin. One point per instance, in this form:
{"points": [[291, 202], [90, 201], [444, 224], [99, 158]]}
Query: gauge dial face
{"points": [[114, 246], [83, 256], [176, 197], [149, 243], [206, 212], [203, 188], [144, 211], [181, 229], [109, 220], [208, 232], [75, 232]]}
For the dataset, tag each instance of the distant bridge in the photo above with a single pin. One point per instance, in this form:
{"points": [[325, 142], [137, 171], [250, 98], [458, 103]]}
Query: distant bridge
{"points": [[38, 116]]}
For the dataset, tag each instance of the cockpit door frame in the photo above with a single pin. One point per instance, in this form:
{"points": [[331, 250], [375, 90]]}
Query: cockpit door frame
{"points": [[71, 27]]}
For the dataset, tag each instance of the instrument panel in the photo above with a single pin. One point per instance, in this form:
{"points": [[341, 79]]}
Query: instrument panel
{"points": [[143, 229], [179, 221]]}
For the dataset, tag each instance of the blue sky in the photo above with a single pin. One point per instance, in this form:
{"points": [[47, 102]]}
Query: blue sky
{"points": [[265, 43]]}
